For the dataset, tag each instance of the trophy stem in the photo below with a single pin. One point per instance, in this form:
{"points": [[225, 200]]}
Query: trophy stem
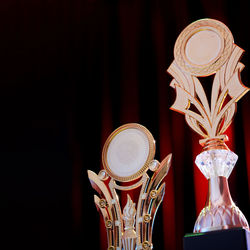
{"points": [[218, 192]]}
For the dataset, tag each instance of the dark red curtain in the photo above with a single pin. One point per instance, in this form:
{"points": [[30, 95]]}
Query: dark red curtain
{"points": [[71, 72]]}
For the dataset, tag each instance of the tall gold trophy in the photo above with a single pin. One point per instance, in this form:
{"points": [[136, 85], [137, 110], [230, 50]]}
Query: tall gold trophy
{"points": [[206, 47], [127, 156]]}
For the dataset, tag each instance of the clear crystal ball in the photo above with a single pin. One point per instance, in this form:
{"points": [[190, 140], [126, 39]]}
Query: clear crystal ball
{"points": [[153, 165], [216, 162]]}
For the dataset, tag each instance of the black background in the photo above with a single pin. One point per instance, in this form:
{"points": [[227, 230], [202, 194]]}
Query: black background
{"points": [[58, 60]]}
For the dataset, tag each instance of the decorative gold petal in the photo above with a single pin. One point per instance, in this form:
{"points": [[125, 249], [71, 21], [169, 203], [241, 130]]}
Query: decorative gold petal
{"points": [[160, 173], [99, 186], [182, 102], [232, 64], [235, 87], [183, 79]]}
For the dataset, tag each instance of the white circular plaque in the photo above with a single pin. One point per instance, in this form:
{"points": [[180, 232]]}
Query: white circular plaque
{"points": [[203, 47], [128, 151]]}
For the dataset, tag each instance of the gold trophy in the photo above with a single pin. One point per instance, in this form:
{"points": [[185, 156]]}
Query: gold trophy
{"points": [[206, 47], [127, 155]]}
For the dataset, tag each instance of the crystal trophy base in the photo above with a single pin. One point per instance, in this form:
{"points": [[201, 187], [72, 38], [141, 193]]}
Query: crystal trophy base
{"points": [[231, 239], [220, 212]]}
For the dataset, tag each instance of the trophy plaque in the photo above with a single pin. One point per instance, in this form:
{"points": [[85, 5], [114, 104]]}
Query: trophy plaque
{"points": [[206, 47], [127, 155]]}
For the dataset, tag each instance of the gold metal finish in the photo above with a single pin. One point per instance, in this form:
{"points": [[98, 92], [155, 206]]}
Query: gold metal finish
{"points": [[204, 48], [103, 203], [132, 228], [146, 218], [209, 121], [214, 143], [153, 194], [146, 245], [108, 224]]}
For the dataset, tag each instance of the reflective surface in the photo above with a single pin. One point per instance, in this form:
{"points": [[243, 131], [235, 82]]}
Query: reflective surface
{"points": [[220, 212]]}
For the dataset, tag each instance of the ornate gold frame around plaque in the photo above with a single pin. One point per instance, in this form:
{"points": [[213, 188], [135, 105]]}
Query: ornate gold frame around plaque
{"points": [[132, 148], [151, 151], [204, 48]]}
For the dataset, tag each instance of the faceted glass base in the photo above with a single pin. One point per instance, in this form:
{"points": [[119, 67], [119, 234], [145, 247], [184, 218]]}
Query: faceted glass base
{"points": [[220, 212], [216, 162]]}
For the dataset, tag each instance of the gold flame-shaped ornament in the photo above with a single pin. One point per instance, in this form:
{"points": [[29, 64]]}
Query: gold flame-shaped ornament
{"points": [[206, 47], [129, 234]]}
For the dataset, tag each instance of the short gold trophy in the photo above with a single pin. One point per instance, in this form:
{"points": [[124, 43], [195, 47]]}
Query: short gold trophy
{"points": [[127, 155], [206, 47]]}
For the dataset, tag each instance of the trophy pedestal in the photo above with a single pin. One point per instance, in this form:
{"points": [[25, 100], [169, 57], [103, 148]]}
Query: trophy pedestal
{"points": [[230, 239]]}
